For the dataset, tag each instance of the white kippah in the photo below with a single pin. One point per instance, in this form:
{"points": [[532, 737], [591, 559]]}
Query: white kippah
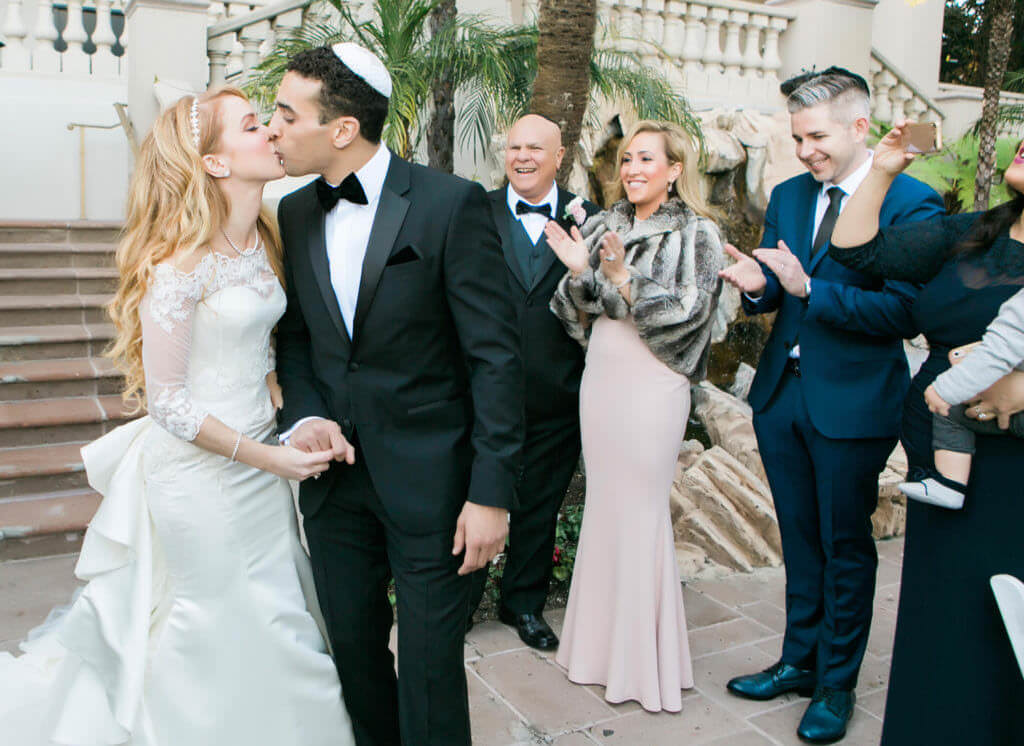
{"points": [[366, 65]]}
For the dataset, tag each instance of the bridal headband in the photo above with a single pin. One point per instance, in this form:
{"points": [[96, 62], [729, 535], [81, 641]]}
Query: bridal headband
{"points": [[194, 119]]}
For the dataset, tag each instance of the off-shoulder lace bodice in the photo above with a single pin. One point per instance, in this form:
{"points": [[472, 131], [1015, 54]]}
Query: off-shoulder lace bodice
{"points": [[206, 337]]}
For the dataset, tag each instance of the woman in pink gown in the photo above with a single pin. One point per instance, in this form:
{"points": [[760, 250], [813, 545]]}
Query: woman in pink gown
{"points": [[640, 295]]}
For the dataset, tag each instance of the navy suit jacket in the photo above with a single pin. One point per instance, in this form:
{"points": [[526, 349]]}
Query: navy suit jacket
{"points": [[853, 367]]}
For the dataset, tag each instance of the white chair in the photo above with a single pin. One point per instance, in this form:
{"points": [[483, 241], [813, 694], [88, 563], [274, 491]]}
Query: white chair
{"points": [[1009, 592]]}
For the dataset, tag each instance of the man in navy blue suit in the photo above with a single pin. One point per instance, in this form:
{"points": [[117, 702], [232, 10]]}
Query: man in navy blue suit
{"points": [[827, 396]]}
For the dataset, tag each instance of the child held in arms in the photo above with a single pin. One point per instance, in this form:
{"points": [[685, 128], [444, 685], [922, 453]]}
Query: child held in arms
{"points": [[975, 368]]}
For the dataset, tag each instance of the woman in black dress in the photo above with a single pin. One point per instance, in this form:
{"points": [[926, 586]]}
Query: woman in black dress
{"points": [[954, 679]]}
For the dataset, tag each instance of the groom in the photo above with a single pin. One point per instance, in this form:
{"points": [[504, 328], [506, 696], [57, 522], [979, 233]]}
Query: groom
{"points": [[397, 352]]}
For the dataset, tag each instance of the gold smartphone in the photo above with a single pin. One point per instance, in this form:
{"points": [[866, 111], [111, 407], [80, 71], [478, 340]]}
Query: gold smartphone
{"points": [[924, 137]]}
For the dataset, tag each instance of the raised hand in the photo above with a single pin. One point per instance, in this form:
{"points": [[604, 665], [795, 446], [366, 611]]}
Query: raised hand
{"points": [[613, 258], [786, 267], [746, 274], [570, 249], [891, 154]]}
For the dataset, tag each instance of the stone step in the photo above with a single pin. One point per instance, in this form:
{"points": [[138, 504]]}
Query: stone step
{"points": [[57, 280], [37, 469], [26, 255], [52, 379], [41, 310], [59, 231], [49, 421], [47, 513], [58, 341]]}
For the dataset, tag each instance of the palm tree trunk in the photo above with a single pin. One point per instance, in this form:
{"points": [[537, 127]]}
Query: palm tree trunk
{"points": [[562, 88], [441, 131], [1000, 17]]}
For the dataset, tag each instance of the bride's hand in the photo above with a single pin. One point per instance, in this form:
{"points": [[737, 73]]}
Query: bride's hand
{"points": [[891, 154], [291, 463], [569, 249]]}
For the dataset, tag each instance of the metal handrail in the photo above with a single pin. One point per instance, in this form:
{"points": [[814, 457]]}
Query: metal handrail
{"points": [[122, 121]]}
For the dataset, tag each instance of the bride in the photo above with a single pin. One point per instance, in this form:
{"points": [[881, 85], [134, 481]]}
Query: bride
{"points": [[196, 626]]}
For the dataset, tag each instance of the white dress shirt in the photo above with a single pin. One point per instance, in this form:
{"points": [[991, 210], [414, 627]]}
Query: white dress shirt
{"points": [[346, 233], [849, 186], [534, 222]]}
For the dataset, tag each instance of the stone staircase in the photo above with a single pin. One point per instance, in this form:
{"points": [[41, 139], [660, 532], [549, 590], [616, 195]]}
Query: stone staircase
{"points": [[57, 392]]}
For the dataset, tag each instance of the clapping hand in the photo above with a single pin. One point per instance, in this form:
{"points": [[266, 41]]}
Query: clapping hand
{"points": [[745, 275], [613, 258], [786, 267], [891, 154], [570, 249]]}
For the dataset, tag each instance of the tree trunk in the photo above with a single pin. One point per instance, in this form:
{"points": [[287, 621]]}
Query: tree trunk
{"points": [[562, 88], [1000, 23], [441, 131]]}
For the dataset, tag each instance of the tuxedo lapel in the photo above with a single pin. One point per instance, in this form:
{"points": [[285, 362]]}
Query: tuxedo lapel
{"points": [[386, 224], [502, 219], [823, 251], [804, 218], [317, 247]]}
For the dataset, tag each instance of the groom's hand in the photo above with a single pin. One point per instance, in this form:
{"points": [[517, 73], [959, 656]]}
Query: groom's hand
{"points": [[323, 435], [481, 532]]}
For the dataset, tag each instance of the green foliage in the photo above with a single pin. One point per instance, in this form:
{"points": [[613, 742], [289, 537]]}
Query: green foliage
{"points": [[492, 66], [952, 172]]}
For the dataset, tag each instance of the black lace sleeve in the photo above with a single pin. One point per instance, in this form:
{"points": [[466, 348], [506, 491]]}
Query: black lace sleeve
{"points": [[912, 252]]}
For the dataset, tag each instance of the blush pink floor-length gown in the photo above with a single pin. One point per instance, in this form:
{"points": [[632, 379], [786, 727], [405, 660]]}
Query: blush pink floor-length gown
{"points": [[624, 625]]}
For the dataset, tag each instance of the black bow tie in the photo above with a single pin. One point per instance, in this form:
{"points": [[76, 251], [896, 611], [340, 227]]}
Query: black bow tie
{"points": [[350, 189], [524, 207]]}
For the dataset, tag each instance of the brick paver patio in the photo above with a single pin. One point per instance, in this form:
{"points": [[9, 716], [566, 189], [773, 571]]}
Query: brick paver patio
{"points": [[519, 696]]}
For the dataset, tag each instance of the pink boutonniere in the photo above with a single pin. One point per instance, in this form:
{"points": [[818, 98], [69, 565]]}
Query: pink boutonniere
{"points": [[575, 211]]}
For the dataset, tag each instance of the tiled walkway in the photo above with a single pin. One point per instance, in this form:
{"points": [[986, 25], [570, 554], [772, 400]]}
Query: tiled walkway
{"points": [[518, 696]]}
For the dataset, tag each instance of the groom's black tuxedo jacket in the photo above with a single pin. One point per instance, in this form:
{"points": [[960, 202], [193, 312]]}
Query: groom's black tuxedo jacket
{"points": [[431, 383], [552, 360]]}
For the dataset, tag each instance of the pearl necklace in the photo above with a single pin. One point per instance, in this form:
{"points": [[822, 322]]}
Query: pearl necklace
{"points": [[240, 252]]}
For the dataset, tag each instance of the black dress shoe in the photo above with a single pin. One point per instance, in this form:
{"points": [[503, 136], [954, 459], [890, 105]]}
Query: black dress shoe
{"points": [[532, 629], [781, 678], [827, 715]]}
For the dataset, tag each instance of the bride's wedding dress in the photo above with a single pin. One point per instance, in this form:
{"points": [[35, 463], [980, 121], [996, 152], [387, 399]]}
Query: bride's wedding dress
{"points": [[196, 625]]}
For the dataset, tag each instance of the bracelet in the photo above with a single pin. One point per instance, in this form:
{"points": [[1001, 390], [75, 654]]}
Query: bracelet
{"points": [[238, 442]]}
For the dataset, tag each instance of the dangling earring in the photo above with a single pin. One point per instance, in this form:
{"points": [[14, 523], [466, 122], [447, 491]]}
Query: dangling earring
{"points": [[226, 174]]}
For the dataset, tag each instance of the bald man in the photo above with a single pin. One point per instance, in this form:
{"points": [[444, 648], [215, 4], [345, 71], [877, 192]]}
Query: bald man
{"points": [[552, 362]]}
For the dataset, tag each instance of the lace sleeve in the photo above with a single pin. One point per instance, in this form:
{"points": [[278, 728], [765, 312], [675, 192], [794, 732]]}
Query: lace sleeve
{"points": [[166, 314]]}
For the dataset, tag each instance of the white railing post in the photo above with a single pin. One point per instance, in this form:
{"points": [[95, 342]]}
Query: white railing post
{"points": [[104, 62], [251, 37], [712, 57], [884, 81], [752, 63], [694, 44], [652, 28], [732, 57], [900, 96], [75, 60], [219, 49], [15, 54]]}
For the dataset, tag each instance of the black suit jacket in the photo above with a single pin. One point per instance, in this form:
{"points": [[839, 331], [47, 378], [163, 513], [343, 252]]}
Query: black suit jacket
{"points": [[431, 382], [552, 360]]}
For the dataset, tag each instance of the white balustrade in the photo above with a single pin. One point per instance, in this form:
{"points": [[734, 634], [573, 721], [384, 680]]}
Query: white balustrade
{"points": [[37, 52], [894, 97], [244, 34]]}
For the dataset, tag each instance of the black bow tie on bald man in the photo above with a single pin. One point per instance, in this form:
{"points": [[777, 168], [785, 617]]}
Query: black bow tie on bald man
{"points": [[524, 207], [350, 190]]}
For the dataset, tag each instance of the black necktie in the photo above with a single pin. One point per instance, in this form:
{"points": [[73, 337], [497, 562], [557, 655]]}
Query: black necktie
{"points": [[524, 207], [350, 189], [835, 198]]}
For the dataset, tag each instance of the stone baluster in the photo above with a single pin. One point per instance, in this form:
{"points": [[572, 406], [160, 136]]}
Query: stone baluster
{"points": [[45, 57], [884, 81], [693, 47], [122, 61], [631, 25], [732, 57], [251, 37], [900, 96], [217, 11], [916, 109], [104, 62], [286, 24], [771, 61], [652, 28], [15, 54], [675, 31], [218, 50], [235, 60], [75, 60], [752, 62], [712, 57]]}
